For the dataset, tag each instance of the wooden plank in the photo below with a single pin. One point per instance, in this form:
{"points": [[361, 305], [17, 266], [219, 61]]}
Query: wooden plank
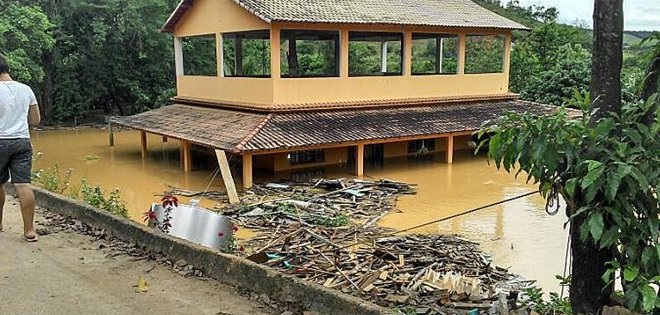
{"points": [[186, 155], [449, 150], [247, 170], [359, 160], [227, 178], [143, 143]]}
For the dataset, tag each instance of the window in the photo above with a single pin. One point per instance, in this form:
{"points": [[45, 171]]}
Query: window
{"points": [[309, 54], [484, 54], [375, 54], [434, 54], [199, 55], [417, 146], [306, 157], [247, 54]]}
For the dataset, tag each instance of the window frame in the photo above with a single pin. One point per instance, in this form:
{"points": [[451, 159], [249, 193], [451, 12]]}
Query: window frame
{"points": [[335, 35], [211, 37], [436, 36], [504, 55], [366, 34], [317, 156], [254, 34]]}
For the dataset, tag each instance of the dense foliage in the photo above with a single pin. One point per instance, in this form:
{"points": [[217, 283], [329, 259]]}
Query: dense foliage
{"points": [[610, 172], [87, 59]]}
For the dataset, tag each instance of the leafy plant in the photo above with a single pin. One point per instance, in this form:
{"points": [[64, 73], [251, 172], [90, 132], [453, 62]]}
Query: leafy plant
{"points": [[52, 180], [556, 305], [608, 173], [94, 196]]}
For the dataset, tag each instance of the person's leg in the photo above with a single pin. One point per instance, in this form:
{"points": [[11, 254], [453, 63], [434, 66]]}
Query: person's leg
{"points": [[4, 174], [20, 169], [2, 204], [26, 198]]}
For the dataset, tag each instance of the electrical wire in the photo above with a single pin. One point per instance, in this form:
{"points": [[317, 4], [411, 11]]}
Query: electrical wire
{"points": [[444, 219]]}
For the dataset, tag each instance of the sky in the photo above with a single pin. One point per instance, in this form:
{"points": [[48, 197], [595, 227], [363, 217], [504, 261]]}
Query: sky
{"points": [[639, 15]]}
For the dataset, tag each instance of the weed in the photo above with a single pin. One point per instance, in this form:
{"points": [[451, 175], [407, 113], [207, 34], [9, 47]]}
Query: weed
{"points": [[94, 196], [51, 179]]}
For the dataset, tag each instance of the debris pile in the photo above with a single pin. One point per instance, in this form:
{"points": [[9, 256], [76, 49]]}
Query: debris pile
{"points": [[429, 272], [324, 202]]}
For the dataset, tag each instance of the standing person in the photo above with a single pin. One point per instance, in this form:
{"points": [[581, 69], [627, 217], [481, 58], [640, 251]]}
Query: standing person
{"points": [[18, 108]]}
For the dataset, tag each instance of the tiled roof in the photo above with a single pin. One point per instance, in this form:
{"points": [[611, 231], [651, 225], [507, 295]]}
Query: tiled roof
{"points": [[239, 131], [211, 127], [440, 13], [331, 127]]}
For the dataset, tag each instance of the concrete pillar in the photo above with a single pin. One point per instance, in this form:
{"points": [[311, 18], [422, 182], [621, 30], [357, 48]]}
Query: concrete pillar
{"points": [[507, 60], [275, 69], [178, 56], [407, 53], [143, 143], [359, 160], [461, 54], [383, 57], [220, 55], [247, 170], [185, 153], [449, 150], [343, 53]]}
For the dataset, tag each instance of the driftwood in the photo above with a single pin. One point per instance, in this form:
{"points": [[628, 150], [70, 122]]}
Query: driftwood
{"points": [[427, 271], [318, 202]]}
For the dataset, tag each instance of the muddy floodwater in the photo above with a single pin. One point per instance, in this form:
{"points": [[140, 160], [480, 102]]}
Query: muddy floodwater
{"points": [[518, 234]]}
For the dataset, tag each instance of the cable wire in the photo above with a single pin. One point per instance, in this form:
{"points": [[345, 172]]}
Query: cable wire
{"points": [[444, 219]]}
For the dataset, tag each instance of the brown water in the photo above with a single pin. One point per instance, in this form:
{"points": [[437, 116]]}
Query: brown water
{"points": [[518, 234]]}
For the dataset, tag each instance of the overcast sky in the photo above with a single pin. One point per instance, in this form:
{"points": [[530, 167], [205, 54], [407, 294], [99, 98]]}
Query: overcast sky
{"points": [[641, 15]]}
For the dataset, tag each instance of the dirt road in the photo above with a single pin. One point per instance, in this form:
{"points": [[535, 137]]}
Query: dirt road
{"points": [[66, 273]]}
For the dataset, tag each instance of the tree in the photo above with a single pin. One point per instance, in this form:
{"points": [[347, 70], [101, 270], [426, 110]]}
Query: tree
{"points": [[24, 37], [606, 166]]}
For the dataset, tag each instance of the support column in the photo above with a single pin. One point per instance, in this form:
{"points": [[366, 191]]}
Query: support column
{"points": [[111, 135], [178, 56], [343, 53], [275, 67], [507, 61], [383, 57], [359, 160], [219, 54], [225, 171], [185, 154], [407, 53], [143, 142], [247, 170], [461, 54], [449, 150], [164, 139]]}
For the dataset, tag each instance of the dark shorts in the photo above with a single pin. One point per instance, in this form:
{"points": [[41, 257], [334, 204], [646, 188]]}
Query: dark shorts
{"points": [[15, 161]]}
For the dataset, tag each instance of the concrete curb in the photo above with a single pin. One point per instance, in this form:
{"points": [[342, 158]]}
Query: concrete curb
{"points": [[228, 269]]}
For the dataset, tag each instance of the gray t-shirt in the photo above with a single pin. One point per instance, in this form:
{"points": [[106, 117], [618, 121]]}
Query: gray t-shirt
{"points": [[15, 101]]}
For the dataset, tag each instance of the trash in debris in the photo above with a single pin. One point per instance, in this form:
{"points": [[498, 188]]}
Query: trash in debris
{"points": [[142, 286], [427, 271], [319, 202]]}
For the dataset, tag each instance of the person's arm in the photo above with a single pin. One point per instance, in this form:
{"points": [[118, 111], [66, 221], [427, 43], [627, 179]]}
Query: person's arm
{"points": [[34, 116]]}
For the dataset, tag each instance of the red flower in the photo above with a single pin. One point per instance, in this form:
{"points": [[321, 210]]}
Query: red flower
{"points": [[235, 228], [170, 200], [221, 234], [150, 216], [241, 249]]}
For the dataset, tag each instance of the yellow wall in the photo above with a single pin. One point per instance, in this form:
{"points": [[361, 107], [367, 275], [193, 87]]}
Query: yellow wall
{"points": [[255, 91], [217, 16], [220, 16]]}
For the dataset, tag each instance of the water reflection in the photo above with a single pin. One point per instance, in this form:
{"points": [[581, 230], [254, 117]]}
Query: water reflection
{"points": [[518, 234]]}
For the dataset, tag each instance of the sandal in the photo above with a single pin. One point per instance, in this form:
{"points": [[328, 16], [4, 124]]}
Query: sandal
{"points": [[30, 240]]}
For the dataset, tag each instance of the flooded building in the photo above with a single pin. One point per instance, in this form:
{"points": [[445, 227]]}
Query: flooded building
{"points": [[294, 84]]}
